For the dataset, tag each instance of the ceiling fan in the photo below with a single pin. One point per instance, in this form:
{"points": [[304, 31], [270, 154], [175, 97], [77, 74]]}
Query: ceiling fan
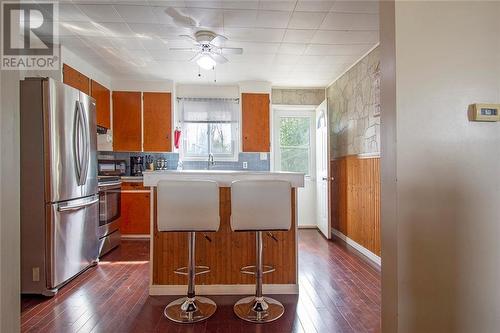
{"points": [[209, 49]]}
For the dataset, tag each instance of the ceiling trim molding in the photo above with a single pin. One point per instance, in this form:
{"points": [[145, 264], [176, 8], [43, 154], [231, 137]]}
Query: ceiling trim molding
{"points": [[354, 64]]}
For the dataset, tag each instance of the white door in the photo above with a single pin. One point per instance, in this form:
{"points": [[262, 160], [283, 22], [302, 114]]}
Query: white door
{"points": [[293, 146], [322, 149]]}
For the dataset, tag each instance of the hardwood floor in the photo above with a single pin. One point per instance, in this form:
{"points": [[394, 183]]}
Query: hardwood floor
{"points": [[339, 292]]}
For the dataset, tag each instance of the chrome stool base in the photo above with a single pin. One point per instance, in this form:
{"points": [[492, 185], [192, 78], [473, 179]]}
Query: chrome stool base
{"points": [[190, 310], [258, 310]]}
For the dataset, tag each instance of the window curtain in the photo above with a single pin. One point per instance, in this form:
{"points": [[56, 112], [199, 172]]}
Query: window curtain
{"points": [[209, 110]]}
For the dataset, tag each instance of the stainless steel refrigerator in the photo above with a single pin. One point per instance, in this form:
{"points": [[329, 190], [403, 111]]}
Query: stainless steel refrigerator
{"points": [[59, 193]]}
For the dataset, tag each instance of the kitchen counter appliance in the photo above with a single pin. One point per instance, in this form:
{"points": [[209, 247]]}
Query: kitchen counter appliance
{"points": [[136, 165], [59, 193]]}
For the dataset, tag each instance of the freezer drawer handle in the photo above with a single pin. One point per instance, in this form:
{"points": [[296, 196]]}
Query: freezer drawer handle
{"points": [[76, 207]]}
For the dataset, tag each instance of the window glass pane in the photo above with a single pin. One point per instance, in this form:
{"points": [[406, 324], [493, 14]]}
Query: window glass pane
{"points": [[294, 131], [196, 138], [294, 143], [295, 159], [221, 138]]}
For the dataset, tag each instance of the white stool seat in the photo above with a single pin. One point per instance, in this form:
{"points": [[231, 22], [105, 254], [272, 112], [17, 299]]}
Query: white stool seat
{"points": [[188, 205], [261, 205]]}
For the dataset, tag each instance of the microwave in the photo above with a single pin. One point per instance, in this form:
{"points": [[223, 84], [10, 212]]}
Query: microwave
{"points": [[112, 167]]}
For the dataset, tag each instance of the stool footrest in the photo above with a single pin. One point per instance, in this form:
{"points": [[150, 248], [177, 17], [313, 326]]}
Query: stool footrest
{"points": [[252, 269], [198, 270]]}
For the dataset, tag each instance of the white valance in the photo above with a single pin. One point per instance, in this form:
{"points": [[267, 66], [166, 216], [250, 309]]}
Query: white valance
{"points": [[209, 110]]}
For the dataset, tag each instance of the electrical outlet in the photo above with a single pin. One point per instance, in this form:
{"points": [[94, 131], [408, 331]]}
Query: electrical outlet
{"points": [[245, 165], [263, 156], [36, 274]]}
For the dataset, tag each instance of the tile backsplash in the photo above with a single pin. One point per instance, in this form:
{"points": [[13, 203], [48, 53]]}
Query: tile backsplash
{"points": [[253, 160]]}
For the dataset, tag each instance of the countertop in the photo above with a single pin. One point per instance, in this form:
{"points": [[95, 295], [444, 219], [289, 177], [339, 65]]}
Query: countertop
{"points": [[131, 179], [223, 177]]}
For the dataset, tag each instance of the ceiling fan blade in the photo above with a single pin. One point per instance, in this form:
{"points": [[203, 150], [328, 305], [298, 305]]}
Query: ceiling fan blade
{"points": [[190, 38], [180, 19], [220, 59], [231, 50], [190, 49], [218, 40]]}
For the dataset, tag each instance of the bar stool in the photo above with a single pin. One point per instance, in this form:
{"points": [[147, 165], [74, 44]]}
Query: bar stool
{"points": [[189, 206], [260, 205]]}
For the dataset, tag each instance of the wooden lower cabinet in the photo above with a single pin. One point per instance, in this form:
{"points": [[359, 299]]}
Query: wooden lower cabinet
{"points": [[135, 212]]}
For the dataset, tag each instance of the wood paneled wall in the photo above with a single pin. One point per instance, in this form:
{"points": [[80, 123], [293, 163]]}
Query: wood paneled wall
{"points": [[225, 252], [355, 191]]}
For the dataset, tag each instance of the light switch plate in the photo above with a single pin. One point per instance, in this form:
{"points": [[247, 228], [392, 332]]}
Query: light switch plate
{"points": [[263, 156]]}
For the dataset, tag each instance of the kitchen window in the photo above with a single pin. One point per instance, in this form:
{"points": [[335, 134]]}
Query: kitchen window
{"points": [[209, 126]]}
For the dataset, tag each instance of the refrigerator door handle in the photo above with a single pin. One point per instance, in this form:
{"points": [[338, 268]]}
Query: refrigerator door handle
{"points": [[77, 207], [86, 139], [76, 142]]}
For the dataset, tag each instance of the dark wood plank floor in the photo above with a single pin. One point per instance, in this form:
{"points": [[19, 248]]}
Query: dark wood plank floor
{"points": [[339, 292]]}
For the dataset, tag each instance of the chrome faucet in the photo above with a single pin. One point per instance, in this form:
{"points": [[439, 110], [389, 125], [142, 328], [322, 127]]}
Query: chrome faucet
{"points": [[210, 161]]}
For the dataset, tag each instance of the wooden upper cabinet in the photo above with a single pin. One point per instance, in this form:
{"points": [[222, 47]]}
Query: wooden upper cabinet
{"points": [[127, 121], [102, 97], [157, 117], [255, 122], [77, 80]]}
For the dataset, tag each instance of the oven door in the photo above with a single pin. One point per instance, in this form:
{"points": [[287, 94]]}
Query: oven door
{"points": [[109, 208]]}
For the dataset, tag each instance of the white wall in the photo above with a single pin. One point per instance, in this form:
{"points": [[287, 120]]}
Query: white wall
{"points": [[9, 202], [70, 58], [206, 90], [138, 85], [443, 223]]}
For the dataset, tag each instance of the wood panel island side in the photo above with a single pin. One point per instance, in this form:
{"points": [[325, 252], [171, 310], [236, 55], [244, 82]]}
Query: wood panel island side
{"points": [[224, 251]]}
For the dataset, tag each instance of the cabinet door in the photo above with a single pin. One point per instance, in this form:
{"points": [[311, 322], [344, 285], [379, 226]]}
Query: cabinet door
{"points": [[75, 79], [255, 122], [102, 97], [135, 213], [127, 126], [157, 117]]}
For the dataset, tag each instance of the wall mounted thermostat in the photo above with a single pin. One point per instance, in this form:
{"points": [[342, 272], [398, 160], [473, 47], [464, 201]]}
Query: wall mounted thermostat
{"points": [[484, 112]]}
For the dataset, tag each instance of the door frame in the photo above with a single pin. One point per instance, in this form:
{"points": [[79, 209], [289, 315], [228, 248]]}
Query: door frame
{"points": [[329, 167]]}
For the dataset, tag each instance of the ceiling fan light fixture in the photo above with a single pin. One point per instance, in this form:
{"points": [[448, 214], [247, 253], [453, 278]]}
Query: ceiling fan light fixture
{"points": [[206, 62]]}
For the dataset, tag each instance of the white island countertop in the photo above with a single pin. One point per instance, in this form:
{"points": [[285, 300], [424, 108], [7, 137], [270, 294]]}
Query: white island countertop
{"points": [[223, 177]]}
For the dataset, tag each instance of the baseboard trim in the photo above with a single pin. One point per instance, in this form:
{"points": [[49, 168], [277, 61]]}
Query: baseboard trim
{"points": [[224, 289], [361, 249], [307, 226], [130, 236]]}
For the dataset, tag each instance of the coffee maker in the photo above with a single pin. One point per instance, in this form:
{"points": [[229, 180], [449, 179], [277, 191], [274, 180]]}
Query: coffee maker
{"points": [[136, 165]]}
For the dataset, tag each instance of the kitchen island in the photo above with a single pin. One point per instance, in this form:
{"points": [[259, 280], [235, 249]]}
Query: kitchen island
{"points": [[224, 251]]}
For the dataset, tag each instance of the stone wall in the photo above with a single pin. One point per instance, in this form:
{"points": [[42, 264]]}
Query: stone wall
{"points": [[298, 96], [354, 109]]}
